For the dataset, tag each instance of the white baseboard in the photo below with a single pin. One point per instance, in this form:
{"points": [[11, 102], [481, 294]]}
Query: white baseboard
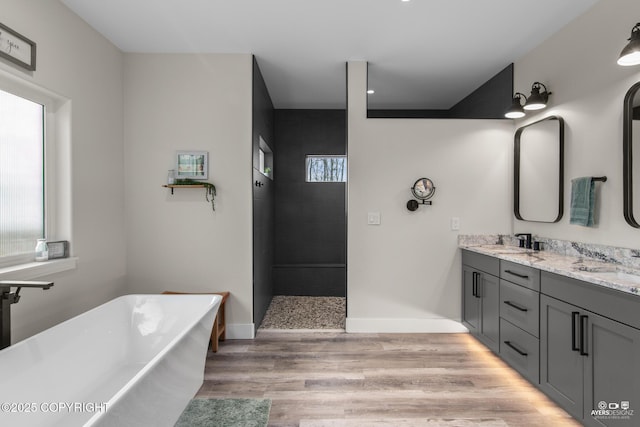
{"points": [[373, 325], [240, 331]]}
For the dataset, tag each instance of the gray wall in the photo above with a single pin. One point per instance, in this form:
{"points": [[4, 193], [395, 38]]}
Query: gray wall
{"points": [[263, 200], [310, 217], [489, 101]]}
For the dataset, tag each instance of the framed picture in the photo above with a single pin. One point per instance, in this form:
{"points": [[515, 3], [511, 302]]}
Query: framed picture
{"points": [[58, 249], [16, 48], [192, 165]]}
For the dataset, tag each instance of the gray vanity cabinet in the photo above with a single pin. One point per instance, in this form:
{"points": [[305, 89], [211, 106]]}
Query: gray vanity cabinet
{"points": [[481, 298], [579, 342], [588, 358]]}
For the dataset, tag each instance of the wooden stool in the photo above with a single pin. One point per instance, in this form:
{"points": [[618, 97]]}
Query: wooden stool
{"points": [[219, 326]]}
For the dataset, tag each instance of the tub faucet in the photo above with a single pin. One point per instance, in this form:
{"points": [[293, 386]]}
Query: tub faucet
{"points": [[527, 243], [7, 298]]}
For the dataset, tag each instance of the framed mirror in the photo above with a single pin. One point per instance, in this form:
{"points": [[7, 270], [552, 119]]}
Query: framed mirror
{"points": [[631, 143], [538, 171]]}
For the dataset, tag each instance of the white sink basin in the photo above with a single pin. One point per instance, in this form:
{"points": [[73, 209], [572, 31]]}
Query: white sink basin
{"points": [[507, 249]]}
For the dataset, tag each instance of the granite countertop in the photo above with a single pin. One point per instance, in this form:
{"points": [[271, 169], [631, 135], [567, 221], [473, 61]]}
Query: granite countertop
{"points": [[590, 270]]}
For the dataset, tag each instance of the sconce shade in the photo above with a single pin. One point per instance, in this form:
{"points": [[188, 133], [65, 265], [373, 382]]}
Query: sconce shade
{"points": [[515, 111], [630, 55], [537, 100]]}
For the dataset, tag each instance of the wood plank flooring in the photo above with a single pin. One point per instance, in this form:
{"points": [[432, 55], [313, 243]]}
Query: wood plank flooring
{"points": [[337, 379]]}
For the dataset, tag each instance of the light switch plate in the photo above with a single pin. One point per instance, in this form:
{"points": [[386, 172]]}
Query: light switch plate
{"points": [[455, 223], [373, 218]]}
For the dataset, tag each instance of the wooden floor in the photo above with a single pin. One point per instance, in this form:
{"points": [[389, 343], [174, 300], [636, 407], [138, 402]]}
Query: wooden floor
{"points": [[338, 379]]}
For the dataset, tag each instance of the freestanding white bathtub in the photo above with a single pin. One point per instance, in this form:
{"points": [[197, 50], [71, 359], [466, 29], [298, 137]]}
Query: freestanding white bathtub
{"points": [[134, 361]]}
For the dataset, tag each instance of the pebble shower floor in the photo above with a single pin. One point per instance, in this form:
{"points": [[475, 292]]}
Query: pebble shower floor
{"points": [[296, 312]]}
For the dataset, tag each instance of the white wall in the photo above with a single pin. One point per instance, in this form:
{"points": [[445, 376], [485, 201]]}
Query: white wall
{"points": [[578, 64], [77, 63], [404, 274], [190, 102]]}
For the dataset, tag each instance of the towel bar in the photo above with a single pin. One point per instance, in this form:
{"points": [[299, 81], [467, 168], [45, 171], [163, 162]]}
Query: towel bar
{"points": [[599, 178]]}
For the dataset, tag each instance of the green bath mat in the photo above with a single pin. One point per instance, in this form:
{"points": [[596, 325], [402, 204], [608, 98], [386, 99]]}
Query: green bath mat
{"points": [[225, 413]]}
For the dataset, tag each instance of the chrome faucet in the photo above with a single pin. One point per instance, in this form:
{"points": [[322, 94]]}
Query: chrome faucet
{"points": [[7, 298], [527, 242]]}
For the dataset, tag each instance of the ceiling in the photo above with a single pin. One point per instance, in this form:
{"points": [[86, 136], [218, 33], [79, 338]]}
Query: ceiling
{"points": [[422, 54]]}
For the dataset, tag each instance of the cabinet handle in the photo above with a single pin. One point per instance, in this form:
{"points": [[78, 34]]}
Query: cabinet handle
{"points": [[474, 288], [516, 349], [473, 283], [516, 306], [584, 324], [574, 324], [478, 285], [513, 273]]}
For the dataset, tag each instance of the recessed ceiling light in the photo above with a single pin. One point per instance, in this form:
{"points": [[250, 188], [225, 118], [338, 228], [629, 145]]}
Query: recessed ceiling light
{"points": [[371, 91]]}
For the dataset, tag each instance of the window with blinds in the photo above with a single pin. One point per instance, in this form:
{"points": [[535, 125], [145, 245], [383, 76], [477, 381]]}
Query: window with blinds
{"points": [[22, 204]]}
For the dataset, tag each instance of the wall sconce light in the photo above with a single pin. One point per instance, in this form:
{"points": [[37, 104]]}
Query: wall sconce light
{"points": [[537, 100], [630, 55], [516, 111]]}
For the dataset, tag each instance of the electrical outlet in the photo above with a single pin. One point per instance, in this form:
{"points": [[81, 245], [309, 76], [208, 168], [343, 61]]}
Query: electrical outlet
{"points": [[455, 223]]}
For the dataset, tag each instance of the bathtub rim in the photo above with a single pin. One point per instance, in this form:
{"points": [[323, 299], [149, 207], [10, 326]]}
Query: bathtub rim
{"points": [[213, 304], [189, 327]]}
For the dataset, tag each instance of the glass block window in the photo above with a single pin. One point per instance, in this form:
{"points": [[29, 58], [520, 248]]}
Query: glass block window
{"points": [[326, 168]]}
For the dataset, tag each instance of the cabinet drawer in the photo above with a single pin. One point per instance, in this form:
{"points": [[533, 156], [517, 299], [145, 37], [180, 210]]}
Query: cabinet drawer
{"points": [[481, 262], [520, 274], [520, 306], [520, 350]]}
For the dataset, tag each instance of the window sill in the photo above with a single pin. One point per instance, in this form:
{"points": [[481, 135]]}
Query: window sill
{"points": [[34, 270], [267, 175]]}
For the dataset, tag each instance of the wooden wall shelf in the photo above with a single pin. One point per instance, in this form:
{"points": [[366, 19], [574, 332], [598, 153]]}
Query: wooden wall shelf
{"points": [[172, 186]]}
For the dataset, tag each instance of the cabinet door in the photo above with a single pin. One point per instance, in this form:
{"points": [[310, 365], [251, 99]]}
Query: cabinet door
{"points": [[612, 369], [489, 289], [470, 302], [561, 365]]}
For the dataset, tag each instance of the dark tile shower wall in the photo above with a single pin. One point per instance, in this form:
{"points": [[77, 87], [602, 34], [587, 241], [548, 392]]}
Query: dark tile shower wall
{"points": [[310, 218], [263, 201]]}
